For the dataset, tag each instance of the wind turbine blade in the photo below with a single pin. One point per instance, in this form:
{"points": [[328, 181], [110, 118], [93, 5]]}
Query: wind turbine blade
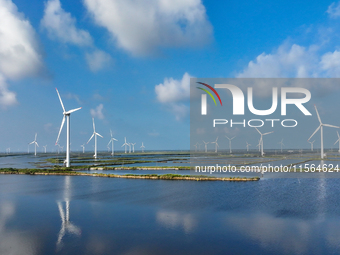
{"points": [[35, 137], [115, 139], [37, 144], [31, 142], [258, 131], [327, 125], [62, 105], [90, 138], [314, 132], [111, 133], [109, 143], [232, 138], [70, 111], [94, 127], [317, 113], [61, 127], [336, 141], [99, 135], [338, 134], [268, 133], [227, 137]]}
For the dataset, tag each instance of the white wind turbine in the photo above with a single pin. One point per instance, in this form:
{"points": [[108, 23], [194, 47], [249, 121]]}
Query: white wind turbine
{"points": [[230, 143], [35, 144], [261, 140], [196, 146], [133, 147], [95, 139], [338, 141], [206, 146], [83, 146], [142, 147], [311, 145], [45, 148], [247, 146], [125, 144], [281, 144], [216, 144], [112, 143], [321, 131], [67, 115]]}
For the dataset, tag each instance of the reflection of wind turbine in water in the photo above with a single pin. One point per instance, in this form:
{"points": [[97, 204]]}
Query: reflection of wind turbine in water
{"points": [[206, 146], [66, 224]]}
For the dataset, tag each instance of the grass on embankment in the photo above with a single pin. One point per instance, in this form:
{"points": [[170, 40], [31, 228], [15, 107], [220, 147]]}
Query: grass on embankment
{"points": [[128, 176]]}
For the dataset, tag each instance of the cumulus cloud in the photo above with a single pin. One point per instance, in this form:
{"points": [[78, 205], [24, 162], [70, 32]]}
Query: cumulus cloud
{"points": [[7, 97], [98, 60], [174, 93], [61, 26], [287, 61], [98, 112], [19, 51], [143, 27], [172, 90]]}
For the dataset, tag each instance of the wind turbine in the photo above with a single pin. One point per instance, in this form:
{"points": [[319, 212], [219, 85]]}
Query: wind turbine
{"points": [[8, 150], [142, 147], [196, 146], [83, 146], [95, 139], [281, 144], [125, 144], [35, 144], [112, 141], [311, 144], [248, 146], [206, 146], [230, 143], [133, 147], [67, 115], [321, 131], [338, 141], [216, 144], [261, 140], [45, 148]]}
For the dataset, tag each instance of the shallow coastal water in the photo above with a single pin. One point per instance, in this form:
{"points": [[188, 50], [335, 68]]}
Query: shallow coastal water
{"points": [[122, 216]]}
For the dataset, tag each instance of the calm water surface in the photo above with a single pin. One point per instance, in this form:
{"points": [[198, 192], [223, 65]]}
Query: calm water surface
{"points": [[93, 215]]}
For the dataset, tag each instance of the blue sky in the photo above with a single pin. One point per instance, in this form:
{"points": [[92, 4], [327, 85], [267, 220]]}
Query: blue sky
{"points": [[128, 64]]}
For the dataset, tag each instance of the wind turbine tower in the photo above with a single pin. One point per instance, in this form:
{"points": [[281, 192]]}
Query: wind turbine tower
{"points": [[321, 131], [230, 143], [35, 144], [112, 142], [67, 115], [95, 134]]}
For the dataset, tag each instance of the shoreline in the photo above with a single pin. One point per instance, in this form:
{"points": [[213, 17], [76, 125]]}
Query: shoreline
{"points": [[130, 176]]}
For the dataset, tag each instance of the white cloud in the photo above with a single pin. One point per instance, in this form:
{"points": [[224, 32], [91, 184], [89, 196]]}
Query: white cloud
{"points": [[7, 98], [98, 60], [173, 93], [61, 26], [98, 112], [330, 62], [287, 61], [334, 10], [19, 53], [173, 90], [142, 27]]}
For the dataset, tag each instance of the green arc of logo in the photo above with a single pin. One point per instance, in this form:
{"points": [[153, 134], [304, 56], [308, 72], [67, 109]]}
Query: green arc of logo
{"points": [[208, 93]]}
